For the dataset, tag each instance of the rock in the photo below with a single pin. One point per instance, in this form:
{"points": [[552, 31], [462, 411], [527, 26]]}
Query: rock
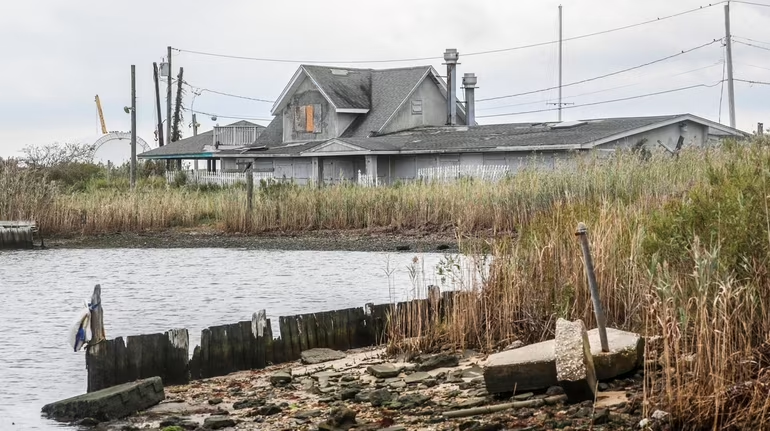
{"points": [[533, 367], [554, 390], [362, 397], [248, 403], [269, 410], [383, 371], [603, 386], [89, 422], [341, 418], [307, 414], [281, 378], [348, 378], [215, 401], [441, 360], [515, 345], [111, 403], [410, 401], [601, 416], [418, 377], [524, 396], [429, 383], [349, 393], [326, 375], [218, 422], [320, 355], [473, 373], [170, 421], [659, 415], [468, 403], [379, 397], [400, 384], [574, 362]]}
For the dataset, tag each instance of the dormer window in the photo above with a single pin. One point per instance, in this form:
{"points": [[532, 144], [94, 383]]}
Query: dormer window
{"points": [[307, 118]]}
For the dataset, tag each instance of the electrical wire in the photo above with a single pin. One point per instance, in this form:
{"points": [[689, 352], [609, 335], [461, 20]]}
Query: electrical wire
{"points": [[722, 90], [751, 65], [751, 40], [608, 89], [751, 3], [752, 82], [230, 117], [470, 54], [201, 90], [604, 101], [687, 51], [752, 45]]}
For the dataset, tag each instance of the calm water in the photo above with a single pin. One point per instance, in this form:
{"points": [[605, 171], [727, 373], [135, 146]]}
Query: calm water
{"points": [[146, 291]]}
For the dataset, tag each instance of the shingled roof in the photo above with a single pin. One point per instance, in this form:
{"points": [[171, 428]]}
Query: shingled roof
{"points": [[347, 88], [191, 146]]}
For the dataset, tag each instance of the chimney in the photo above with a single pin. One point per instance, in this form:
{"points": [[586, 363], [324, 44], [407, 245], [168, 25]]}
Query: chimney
{"points": [[469, 83], [450, 57]]}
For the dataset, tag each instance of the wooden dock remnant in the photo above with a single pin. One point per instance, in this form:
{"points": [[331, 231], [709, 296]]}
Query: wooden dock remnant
{"points": [[16, 235]]}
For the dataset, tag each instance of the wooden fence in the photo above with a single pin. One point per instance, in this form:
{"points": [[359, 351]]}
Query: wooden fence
{"points": [[255, 344]]}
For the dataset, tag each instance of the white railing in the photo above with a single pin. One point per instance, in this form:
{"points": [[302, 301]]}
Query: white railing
{"points": [[455, 172], [235, 136], [218, 178], [367, 180]]}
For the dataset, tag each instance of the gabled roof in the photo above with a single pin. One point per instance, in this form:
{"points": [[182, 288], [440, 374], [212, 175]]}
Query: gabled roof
{"points": [[346, 89], [192, 146]]}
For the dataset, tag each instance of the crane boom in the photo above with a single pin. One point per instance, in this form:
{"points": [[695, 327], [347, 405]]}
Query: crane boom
{"points": [[101, 114]]}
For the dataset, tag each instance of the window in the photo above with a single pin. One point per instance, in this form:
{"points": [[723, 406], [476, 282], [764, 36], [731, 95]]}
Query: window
{"points": [[307, 118], [416, 107]]}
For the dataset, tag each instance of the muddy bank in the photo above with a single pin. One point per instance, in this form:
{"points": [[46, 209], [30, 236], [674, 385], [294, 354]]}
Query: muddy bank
{"points": [[406, 241], [365, 391]]}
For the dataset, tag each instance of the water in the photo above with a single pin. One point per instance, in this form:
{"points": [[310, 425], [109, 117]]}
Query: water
{"points": [[152, 290]]}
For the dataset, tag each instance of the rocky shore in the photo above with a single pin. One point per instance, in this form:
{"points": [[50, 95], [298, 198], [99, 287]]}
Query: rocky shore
{"points": [[362, 390]]}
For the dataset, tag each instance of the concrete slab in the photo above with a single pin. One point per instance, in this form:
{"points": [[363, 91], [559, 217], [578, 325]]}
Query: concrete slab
{"points": [[533, 367], [574, 361], [111, 403]]}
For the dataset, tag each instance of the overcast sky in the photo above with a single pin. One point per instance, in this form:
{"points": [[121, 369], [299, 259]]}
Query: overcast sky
{"points": [[57, 55]]}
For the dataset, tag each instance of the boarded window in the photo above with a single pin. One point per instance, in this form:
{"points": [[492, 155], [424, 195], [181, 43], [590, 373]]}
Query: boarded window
{"points": [[416, 107], [307, 118]]}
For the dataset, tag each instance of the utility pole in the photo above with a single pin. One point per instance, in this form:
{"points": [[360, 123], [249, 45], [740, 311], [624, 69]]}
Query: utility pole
{"points": [[168, 98], [560, 60], [730, 86], [133, 127], [195, 133], [157, 103]]}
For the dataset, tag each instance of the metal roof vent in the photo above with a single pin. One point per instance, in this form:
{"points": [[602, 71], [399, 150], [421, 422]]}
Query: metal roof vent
{"points": [[340, 72], [568, 124]]}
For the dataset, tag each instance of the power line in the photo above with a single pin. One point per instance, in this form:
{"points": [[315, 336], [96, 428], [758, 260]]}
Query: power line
{"points": [[202, 90], [752, 82], [607, 89], [751, 3], [751, 40], [687, 51], [414, 59], [604, 101], [752, 45], [229, 117], [752, 65]]}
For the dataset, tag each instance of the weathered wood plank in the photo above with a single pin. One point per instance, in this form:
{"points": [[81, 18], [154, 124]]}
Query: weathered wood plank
{"points": [[294, 340], [283, 326], [205, 363], [195, 364], [268, 343], [311, 325]]}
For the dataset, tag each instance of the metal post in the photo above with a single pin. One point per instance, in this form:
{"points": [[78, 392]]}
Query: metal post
{"points": [[168, 98], [133, 127], [730, 86], [560, 61], [601, 321]]}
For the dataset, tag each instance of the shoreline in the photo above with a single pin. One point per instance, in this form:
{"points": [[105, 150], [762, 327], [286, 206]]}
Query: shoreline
{"points": [[327, 240]]}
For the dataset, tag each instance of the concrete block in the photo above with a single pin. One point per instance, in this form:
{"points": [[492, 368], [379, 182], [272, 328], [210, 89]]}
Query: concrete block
{"points": [[110, 403], [574, 361], [320, 355], [533, 367]]}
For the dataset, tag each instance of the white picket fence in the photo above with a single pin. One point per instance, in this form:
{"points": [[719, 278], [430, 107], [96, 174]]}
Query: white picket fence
{"points": [[367, 180], [455, 172], [218, 178]]}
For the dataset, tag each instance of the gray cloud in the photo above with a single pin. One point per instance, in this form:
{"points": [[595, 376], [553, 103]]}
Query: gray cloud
{"points": [[57, 55]]}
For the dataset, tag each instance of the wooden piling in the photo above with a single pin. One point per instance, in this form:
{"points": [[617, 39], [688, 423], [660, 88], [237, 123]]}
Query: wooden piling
{"points": [[269, 349], [311, 327], [293, 338]]}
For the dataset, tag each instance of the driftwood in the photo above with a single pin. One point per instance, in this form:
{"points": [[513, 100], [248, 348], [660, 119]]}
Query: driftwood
{"points": [[500, 407]]}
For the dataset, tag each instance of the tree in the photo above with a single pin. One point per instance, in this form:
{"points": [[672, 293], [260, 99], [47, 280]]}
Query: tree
{"points": [[46, 156]]}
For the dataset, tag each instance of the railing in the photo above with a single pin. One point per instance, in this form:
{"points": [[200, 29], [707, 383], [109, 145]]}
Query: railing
{"points": [[218, 178], [367, 180], [454, 172], [235, 136]]}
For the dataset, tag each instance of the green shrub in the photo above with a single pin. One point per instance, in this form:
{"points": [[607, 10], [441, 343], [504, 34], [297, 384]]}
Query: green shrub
{"points": [[180, 179]]}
